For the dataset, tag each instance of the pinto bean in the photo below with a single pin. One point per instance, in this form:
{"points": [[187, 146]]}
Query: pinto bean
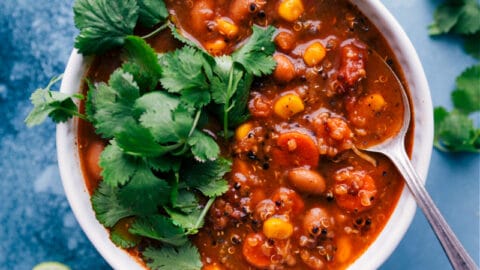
{"points": [[316, 219], [241, 10], [308, 181], [285, 41], [202, 12], [285, 70]]}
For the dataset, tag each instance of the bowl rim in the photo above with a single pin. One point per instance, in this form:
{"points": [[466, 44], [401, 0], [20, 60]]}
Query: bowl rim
{"points": [[399, 221]]}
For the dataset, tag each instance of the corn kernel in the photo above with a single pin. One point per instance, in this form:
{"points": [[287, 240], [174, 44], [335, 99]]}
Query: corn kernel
{"points": [[376, 102], [216, 47], [243, 130], [288, 105], [290, 10], [227, 28], [277, 228], [314, 54]]}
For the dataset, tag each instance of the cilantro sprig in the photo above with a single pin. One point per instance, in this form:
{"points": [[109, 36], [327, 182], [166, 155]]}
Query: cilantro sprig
{"points": [[459, 17], [455, 131], [105, 24], [161, 171], [47, 103]]}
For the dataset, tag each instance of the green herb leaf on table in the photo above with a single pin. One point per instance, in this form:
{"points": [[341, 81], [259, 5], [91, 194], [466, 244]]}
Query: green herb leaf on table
{"points": [[103, 24], [460, 17], [455, 132], [186, 257], [466, 97], [47, 103], [471, 45], [160, 228], [152, 12]]}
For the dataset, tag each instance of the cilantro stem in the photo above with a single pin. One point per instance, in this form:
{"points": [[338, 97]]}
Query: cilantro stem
{"points": [[53, 81], [226, 107], [195, 122], [156, 31], [204, 212], [74, 113]]}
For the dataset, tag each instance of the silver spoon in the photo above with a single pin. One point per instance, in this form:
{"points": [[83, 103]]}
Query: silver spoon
{"points": [[394, 149]]}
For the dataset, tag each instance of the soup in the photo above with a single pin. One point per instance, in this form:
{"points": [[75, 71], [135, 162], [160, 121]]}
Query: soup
{"points": [[300, 194]]}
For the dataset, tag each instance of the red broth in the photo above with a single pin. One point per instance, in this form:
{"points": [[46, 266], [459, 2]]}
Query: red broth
{"points": [[299, 196]]}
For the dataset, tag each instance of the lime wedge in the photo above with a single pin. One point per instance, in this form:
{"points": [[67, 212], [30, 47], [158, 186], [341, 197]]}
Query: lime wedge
{"points": [[51, 266]]}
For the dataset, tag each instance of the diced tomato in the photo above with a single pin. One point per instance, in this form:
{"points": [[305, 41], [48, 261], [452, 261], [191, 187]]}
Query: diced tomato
{"points": [[352, 67]]}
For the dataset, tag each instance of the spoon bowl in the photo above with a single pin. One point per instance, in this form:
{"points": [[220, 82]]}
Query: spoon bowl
{"points": [[394, 149]]}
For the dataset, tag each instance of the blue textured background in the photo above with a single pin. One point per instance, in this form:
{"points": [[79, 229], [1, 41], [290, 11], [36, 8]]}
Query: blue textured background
{"points": [[36, 223]]}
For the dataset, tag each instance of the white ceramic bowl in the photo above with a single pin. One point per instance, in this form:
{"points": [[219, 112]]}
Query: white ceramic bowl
{"points": [[388, 239]]}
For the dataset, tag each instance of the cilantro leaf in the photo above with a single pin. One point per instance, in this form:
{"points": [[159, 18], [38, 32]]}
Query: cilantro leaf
{"points": [[468, 21], [206, 177], [183, 72], [225, 79], [256, 54], [203, 146], [166, 258], [58, 106], [159, 117], [454, 131], [181, 37], [138, 141], [152, 12], [111, 106], [185, 201], [190, 222], [120, 240], [142, 62], [239, 113], [460, 17], [145, 192], [160, 228], [214, 188], [445, 17], [117, 167], [121, 237], [164, 163], [103, 24], [471, 45], [466, 97], [107, 205]]}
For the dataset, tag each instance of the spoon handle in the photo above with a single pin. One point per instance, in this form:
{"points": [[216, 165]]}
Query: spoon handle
{"points": [[456, 253]]}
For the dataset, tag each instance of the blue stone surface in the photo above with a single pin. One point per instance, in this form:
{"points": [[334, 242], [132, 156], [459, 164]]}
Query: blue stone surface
{"points": [[36, 223]]}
